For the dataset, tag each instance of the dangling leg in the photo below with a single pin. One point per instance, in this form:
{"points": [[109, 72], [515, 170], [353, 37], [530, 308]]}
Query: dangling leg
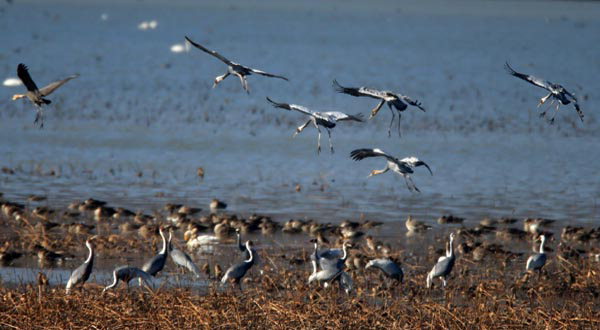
{"points": [[391, 121], [330, 144], [399, 119], [555, 112], [318, 136], [301, 128], [543, 113], [244, 83], [39, 116], [410, 184]]}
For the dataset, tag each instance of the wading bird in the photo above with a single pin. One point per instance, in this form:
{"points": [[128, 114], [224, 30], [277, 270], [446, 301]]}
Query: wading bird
{"points": [[35, 95], [444, 265], [388, 267], [538, 260], [233, 68], [236, 272], [126, 274], [557, 92], [182, 259], [326, 119], [244, 250], [331, 270], [403, 167], [82, 273], [392, 99], [157, 263]]}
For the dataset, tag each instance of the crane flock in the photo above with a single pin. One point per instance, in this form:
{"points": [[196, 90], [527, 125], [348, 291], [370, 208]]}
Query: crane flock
{"points": [[328, 265]]}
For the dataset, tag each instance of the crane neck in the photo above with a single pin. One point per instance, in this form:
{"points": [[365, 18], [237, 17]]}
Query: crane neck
{"points": [[251, 255], [169, 246], [345, 255], [239, 241], [164, 248], [450, 251], [542, 244], [91, 254]]}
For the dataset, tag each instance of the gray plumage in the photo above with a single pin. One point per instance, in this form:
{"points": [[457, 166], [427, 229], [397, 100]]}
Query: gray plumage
{"points": [[233, 68], [538, 260], [244, 250], [182, 259], [238, 271], [388, 267], [403, 167], [444, 265], [393, 100], [35, 95], [557, 92], [327, 119], [82, 273], [126, 274], [157, 263], [331, 270]]}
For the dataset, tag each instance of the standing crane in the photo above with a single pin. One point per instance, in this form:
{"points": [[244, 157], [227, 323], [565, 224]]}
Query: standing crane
{"points": [[82, 273], [444, 265], [236, 272]]}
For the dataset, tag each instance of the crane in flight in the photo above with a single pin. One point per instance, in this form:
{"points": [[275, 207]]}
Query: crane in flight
{"points": [[327, 119], [236, 69]]}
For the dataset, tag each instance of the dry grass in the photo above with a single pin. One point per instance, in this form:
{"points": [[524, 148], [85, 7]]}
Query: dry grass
{"points": [[563, 300]]}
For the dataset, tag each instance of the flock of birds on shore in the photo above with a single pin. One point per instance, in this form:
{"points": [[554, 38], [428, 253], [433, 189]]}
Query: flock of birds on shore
{"points": [[328, 264]]}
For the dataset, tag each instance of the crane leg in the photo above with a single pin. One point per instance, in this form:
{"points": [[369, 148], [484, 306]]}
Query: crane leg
{"points": [[330, 143], [444, 281], [318, 136], [391, 121], [399, 120], [555, 112], [39, 116]]}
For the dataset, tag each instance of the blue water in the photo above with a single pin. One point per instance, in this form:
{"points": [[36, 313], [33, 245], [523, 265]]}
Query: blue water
{"points": [[139, 121]]}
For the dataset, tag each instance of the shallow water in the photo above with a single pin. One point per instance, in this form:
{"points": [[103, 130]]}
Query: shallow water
{"points": [[139, 121]]}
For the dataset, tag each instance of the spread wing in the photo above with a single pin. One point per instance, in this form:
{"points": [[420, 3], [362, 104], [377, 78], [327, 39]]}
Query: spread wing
{"points": [[23, 73], [414, 162], [412, 102], [53, 86], [360, 154], [340, 116], [288, 106], [531, 79], [211, 52], [266, 74], [360, 91]]}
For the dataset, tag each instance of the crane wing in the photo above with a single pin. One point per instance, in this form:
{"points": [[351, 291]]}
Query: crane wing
{"points": [[288, 106], [360, 154], [211, 52], [23, 73], [360, 91], [531, 79], [266, 74], [46, 90], [414, 162], [340, 116], [412, 102]]}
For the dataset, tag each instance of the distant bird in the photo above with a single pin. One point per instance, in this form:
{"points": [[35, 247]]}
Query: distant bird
{"points": [[403, 167], [236, 272], [557, 92], [326, 119], [182, 259], [157, 263], [392, 99], [538, 260], [388, 267], [216, 204], [126, 274], [233, 68], [444, 265], [35, 95], [415, 226], [82, 273]]}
